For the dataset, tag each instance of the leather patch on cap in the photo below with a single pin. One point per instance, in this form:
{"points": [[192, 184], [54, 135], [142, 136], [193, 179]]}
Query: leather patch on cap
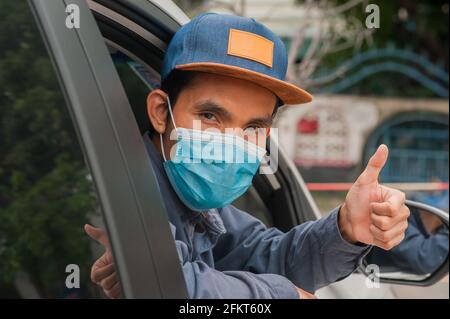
{"points": [[250, 46]]}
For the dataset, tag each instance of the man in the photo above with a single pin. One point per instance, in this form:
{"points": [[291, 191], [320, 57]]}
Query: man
{"points": [[224, 72]]}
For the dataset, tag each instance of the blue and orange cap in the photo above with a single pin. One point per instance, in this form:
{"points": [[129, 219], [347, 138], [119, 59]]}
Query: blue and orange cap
{"points": [[233, 46]]}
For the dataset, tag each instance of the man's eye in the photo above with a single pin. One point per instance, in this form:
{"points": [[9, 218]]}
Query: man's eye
{"points": [[209, 116], [252, 129]]}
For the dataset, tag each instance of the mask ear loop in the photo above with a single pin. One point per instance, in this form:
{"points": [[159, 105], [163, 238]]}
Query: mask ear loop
{"points": [[162, 148], [170, 111], [173, 122]]}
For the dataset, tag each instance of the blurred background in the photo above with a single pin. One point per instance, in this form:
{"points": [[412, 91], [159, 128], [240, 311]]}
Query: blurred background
{"points": [[385, 85], [371, 86]]}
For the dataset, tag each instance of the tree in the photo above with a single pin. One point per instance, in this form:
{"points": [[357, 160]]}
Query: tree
{"points": [[45, 192], [419, 26]]}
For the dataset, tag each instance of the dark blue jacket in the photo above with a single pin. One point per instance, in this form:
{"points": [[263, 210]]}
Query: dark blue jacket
{"points": [[227, 253]]}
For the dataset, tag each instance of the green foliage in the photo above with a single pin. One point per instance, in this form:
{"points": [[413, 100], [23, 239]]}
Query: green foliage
{"points": [[45, 191], [419, 26]]}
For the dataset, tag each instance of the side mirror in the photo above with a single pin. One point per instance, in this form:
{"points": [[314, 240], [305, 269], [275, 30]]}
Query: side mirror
{"points": [[421, 259]]}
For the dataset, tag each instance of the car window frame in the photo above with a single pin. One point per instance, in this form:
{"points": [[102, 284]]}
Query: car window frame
{"points": [[142, 243]]}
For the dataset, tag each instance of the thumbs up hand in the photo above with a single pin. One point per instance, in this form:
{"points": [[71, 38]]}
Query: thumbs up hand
{"points": [[374, 214], [103, 271]]}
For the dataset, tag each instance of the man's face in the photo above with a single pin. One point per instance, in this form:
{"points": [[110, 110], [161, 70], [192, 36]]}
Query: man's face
{"points": [[216, 102]]}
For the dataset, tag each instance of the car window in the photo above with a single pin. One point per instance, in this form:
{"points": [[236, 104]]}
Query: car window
{"points": [[137, 81], [250, 202], [46, 190]]}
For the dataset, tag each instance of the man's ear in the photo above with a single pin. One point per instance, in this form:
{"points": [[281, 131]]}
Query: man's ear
{"points": [[157, 110]]}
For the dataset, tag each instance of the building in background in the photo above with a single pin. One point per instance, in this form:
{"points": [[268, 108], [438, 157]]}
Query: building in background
{"points": [[332, 138], [387, 85]]}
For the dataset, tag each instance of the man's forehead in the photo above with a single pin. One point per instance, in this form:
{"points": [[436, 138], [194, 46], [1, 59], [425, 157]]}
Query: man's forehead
{"points": [[215, 85], [203, 79]]}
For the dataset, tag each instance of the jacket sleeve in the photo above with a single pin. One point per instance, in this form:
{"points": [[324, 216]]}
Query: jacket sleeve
{"points": [[203, 281], [418, 253], [311, 255]]}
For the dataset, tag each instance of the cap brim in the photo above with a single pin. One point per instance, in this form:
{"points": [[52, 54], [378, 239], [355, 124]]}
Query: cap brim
{"points": [[287, 92]]}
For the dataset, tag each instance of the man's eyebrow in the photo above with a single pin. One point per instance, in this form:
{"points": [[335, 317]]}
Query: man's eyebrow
{"points": [[210, 106]]}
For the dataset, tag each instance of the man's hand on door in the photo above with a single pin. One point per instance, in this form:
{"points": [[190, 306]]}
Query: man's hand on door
{"points": [[103, 271]]}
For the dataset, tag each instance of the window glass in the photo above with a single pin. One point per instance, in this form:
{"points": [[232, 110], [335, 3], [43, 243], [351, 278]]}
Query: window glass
{"points": [[46, 190]]}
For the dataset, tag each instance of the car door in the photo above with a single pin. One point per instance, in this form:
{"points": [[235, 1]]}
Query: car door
{"points": [[137, 224]]}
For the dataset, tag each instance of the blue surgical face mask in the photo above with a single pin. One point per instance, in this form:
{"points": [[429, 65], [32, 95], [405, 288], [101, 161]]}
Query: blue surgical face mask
{"points": [[210, 169]]}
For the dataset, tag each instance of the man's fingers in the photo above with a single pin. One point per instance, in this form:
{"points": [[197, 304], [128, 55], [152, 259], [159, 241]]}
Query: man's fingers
{"points": [[104, 260], [390, 244], [393, 196], [384, 222], [388, 235], [374, 166], [109, 282], [97, 234], [383, 209], [98, 274], [115, 292], [396, 211], [389, 223]]}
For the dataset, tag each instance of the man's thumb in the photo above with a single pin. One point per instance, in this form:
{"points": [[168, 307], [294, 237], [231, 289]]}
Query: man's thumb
{"points": [[375, 165], [97, 234]]}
